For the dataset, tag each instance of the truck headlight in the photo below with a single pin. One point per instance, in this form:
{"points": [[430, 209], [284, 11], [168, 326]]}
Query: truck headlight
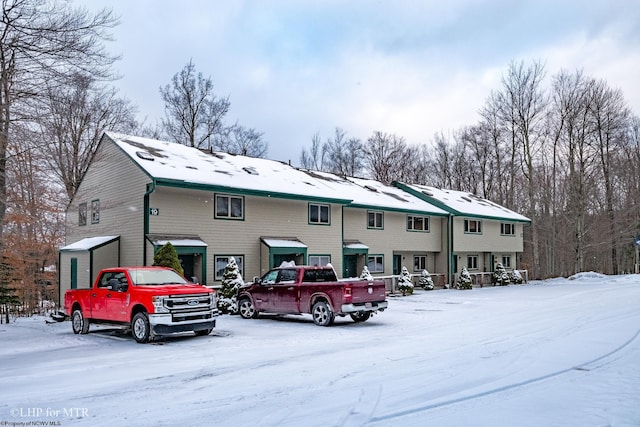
{"points": [[158, 305]]}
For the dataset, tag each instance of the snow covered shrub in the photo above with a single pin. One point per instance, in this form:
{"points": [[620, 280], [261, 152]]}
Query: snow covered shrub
{"points": [[366, 275], [464, 281], [426, 281], [405, 285], [516, 277], [231, 283], [500, 276]]}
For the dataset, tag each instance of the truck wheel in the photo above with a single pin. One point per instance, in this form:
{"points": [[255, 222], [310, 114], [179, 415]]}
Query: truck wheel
{"points": [[79, 324], [360, 316], [140, 328], [322, 314], [246, 309]]}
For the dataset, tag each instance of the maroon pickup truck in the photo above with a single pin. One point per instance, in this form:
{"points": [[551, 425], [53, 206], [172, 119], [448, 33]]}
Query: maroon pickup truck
{"points": [[314, 290]]}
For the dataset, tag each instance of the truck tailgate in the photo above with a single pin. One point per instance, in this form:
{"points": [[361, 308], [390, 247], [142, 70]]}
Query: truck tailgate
{"points": [[363, 291]]}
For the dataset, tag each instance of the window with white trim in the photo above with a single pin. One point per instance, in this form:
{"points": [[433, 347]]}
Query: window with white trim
{"points": [[319, 260], [472, 262], [82, 214], [319, 214], [95, 211], [473, 226], [417, 223], [229, 207], [507, 229], [375, 263], [419, 262], [506, 261], [375, 219], [221, 261]]}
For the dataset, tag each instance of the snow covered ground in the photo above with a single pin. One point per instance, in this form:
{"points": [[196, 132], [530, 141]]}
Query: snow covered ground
{"points": [[554, 353]]}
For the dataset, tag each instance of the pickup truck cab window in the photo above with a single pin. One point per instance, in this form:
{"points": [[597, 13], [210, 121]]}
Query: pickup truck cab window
{"points": [[106, 279]]}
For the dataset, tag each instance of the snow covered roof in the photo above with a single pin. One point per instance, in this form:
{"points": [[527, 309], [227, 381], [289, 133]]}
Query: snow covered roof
{"points": [[89, 243], [179, 164], [369, 193], [463, 203]]}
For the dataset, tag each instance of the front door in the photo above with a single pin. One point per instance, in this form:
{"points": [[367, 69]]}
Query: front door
{"points": [[397, 264], [350, 266], [187, 263]]}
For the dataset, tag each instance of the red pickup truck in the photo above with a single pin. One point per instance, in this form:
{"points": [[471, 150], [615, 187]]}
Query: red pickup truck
{"points": [[151, 301], [314, 290]]}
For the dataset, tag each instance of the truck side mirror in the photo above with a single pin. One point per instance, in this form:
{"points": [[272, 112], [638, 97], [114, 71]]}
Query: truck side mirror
{"points": [[256, 280]]}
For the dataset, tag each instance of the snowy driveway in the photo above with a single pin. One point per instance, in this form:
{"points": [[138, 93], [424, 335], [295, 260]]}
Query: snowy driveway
{"points": [[561, 352]]}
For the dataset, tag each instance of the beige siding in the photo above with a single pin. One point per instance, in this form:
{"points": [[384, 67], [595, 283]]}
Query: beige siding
{"points": [[489, 240], [192, 212], [394, 238], [119, 184]]}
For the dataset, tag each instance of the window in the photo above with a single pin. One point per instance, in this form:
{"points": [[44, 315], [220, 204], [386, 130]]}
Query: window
{"points": [[375, 219], [506, 261], [95, 211], [472, 262], [507, 229], [229, 207], [419, 262], [82, 214], [375, 263], [319, 260], [417, 223], [319, 214], [221, 262], [472, 226]]}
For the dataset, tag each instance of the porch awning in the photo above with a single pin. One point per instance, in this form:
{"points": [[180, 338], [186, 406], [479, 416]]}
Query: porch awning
{"points": [[90, 243], [283, 242], [176, 240], [354, 247]]}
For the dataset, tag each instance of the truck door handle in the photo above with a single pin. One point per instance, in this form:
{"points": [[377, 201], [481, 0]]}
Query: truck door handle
{"points": [[93, 295], [290, 288], [108, 295], [271, 288]]}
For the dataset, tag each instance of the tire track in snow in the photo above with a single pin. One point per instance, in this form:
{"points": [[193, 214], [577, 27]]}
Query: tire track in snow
{"points": [[582, 367]]}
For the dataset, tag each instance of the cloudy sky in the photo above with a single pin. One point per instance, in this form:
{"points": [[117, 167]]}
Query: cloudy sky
{"points": [[294, 68]]}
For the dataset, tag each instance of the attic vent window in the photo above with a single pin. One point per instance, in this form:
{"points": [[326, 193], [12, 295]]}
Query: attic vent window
{"points": [[250, 170], [370, 188], [466, 199], [191, 167], [427, 193], [144, 155]]}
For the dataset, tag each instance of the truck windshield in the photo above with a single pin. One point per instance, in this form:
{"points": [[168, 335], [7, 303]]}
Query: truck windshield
{"points": [[156, 277]]}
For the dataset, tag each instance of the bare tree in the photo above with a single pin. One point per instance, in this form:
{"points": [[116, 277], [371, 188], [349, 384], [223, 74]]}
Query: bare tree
{"points": [[387, 157], [73, 120], [344, 155], [240, 140], [314, 158], [194, 114], [43, 42]]}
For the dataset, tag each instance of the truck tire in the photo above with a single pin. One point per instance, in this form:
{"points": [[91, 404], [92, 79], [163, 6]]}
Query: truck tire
{"points": [[360, 316], [246, 309], [322, 314], [140, 328], [79, 324]]}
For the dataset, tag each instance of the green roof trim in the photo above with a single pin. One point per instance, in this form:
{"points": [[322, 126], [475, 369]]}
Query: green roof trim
{"points": [[400, 210], [165, 182], [449, 209]]}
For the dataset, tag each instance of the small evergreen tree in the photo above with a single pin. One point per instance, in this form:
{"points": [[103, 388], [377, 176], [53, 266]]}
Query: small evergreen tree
{"points": [[7, 298], [168, 257], [516, 277], [464, 281], [405, 285], [500, 276], [366, 274], [231, 283], [426, 281]]}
